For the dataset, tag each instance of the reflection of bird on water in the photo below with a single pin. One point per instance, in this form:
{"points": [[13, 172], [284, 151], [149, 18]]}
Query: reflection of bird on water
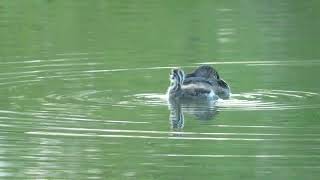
{"points": [[204, 82], [202, 110], [176, 117], [195, 93]]}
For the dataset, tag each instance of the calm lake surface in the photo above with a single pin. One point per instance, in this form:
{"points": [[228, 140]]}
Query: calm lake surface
{"points": [[83, 83]]}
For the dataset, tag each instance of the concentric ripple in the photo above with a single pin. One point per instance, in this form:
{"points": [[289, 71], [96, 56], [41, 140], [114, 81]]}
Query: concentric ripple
{"points": [[260, 99], [74, 67]]}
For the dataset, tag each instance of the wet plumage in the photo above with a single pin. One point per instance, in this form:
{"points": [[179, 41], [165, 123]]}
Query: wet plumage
{"points": [[204, 82]]}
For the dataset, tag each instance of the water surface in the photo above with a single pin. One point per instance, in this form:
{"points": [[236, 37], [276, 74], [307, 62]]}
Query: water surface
{"points": [[82, 90]]}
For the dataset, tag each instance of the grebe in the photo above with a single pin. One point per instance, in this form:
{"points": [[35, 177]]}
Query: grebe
{"points": [[204, 82], [204, 71], [197, 89], [209, 75]]}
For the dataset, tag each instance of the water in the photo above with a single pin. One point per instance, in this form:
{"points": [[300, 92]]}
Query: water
{"points": [[82, 90]]}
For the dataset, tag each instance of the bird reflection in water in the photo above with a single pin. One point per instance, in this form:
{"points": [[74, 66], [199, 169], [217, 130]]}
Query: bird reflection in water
{"points": [[203, 110]]}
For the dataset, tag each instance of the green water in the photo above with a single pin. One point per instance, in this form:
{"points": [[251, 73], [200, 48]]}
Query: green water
{"points": [[82, 87]]}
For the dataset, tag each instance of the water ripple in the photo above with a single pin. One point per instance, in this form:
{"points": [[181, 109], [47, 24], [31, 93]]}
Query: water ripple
{"points": [[81, 134], [265, 63], [260, 99], [239, 156], [180, 133], [74, 66]]}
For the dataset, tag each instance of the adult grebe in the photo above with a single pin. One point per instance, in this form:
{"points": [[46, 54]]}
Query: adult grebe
{"points": [[203, 82], [204, 71], [197, 89], [209, 75]]}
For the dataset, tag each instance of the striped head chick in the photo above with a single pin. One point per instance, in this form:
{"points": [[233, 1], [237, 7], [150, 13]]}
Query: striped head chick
{"points": [[177, 77]]}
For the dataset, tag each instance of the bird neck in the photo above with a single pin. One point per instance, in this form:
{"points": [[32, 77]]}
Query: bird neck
{"points": [[174, 87]]}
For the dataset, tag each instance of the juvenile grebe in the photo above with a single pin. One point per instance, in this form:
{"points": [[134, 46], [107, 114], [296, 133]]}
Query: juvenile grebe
{"points": [[203, 82]]}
